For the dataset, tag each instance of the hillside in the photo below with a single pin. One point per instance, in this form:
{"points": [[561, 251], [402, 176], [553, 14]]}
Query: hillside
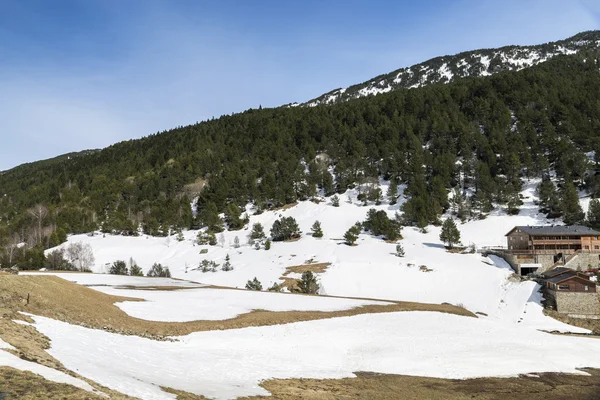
{"points": [[469, 64]]}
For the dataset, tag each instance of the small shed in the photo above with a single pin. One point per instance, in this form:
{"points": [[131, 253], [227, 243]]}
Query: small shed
{"points": [[571, 282]]}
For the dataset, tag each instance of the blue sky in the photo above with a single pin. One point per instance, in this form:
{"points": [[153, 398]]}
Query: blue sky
{"points": [[88, 73]]}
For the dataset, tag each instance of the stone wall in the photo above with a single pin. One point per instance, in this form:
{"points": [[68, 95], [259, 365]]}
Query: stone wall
{"points": [[583, 261], [574, 302], [13, 270]]}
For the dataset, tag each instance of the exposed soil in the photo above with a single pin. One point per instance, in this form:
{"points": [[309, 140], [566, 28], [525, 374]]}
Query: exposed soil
{"points": [[546, 386]]}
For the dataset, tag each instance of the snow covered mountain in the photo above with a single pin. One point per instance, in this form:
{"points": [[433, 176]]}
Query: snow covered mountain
{"points": [[445, 69]]}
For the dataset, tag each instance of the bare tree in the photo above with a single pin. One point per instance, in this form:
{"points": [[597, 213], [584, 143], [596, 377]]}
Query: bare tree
{"points": [[38, 212], [12, 245], [81, 255]]}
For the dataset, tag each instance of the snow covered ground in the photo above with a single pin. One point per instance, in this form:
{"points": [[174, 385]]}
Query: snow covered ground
{"points": [[220, 304], [231, 363], [117, 280], [369, 270], [10, 360]]}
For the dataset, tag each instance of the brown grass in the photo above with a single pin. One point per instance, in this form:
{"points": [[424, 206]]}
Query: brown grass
{"points": [[285, 207], [290, 283], [317, 268], [368, 386], [26, 385], [59, 299]]}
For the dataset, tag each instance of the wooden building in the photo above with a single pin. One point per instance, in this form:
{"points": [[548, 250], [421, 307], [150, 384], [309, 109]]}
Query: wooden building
{"points": [[570, 292], [555, 239], [565, 279]]}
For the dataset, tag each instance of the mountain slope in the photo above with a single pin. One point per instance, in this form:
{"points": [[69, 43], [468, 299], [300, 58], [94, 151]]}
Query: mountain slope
{"points": [[483, 62]]}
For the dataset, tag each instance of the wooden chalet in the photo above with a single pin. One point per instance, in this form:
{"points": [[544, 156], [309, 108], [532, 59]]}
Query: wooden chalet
{"points": [[555, 239], [567, 280]]}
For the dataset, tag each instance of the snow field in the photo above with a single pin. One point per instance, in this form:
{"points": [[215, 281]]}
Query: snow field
{"points": [[10, 360], [231, 363], [86, 279], [220, 304]]}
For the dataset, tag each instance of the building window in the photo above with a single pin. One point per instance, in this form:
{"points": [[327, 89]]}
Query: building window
{"points": [[587, 247], [596, 247], [586, 288], [563, 287]]}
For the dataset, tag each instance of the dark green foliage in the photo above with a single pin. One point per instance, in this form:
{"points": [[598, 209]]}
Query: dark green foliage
{"points": [[569, 204], [118, 268], [285, 228], [56, 260], [392, 192], [275, 288], [134, 269], [593, 214], [335, 200], [548, 198], [308, 283], [233, 217], [316, 230], [351, 235], [158, 270], [541, 118], [207, 237], [209, 217], [254, 284], [268, 245], [208, 266], [379, 224], [450, 233], [257, 232], [227, 264], [399, 250]]}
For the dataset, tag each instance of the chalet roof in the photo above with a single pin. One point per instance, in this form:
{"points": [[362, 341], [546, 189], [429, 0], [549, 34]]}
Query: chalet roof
{"points": [[568, 276], [556, 271], [563, 230]]}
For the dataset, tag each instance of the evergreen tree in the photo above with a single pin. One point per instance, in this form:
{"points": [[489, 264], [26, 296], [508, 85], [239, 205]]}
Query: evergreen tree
{"points": [[118, 268], [335, 200], [450, 233], [379, 224], [257, 232], [308, 283], [285, 228], [209, 217], [569, 201], [236, 242], [351, 235], [593, 214], [254, 284], [392, 192], [316, 230], [227, 264], [268, 245], [135, 270], [399, 250]]}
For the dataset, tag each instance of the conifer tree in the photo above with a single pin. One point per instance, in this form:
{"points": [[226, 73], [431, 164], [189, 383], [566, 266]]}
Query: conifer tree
{"points": [[569, 201], [227, 264], [308, 283], [257, 232], [316, 230], [593, 214], [450, 233], [351, 235], [254, 284], [392, 192]]}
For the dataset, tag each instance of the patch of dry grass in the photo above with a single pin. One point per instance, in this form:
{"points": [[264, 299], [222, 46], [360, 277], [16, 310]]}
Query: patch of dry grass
{"points": [[59, 299], [370, 386], [25, 385], [586, 323], [290, 283]]}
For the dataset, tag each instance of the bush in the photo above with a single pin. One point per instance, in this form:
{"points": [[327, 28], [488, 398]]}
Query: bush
{"points": [[268, 245], [285, 228], [118, 268], [158, 270], [254, 284], [351, 235], [308, 283]]}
